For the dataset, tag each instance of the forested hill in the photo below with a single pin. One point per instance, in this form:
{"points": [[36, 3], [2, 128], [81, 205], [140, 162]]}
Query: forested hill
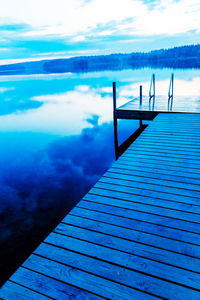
{"points": [[177, 57]]}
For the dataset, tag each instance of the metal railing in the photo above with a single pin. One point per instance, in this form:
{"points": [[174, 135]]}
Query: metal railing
{"points": [[171, 92], [152, 94]]}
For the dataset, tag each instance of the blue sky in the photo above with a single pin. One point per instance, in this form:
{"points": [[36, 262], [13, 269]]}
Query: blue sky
{"points": [[36, 29]]}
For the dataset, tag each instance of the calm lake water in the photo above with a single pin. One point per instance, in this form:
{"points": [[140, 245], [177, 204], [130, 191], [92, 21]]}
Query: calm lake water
{"points": [[56, 136]]}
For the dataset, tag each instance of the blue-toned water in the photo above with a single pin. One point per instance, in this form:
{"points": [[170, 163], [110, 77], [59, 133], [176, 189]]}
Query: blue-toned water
{"points": [[56, 138]]}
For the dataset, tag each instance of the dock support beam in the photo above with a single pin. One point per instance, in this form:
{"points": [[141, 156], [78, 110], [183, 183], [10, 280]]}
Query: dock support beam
{"points": [[119, 149], [171, 93], [140, 103], [115, 121]]}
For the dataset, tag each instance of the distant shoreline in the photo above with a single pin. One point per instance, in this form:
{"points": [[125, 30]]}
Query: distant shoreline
{"points": [[184, 57]]}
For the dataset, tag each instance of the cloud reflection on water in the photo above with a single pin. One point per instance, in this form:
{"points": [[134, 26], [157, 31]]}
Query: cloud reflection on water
{"points": [[39, 189], [62, 114]]}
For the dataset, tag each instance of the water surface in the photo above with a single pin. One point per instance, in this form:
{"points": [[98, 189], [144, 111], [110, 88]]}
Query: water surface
{"points": [[56, 138]]}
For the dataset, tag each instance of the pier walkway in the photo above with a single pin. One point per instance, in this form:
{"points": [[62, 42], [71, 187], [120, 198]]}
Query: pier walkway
{"points": [[136, 234], [146, 110]]}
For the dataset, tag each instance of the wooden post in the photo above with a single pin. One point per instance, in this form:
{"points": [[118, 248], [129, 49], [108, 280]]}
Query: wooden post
{"points": [[172, 87], [154, 91], [172, 91], [115, 121], [140, 96], [140, 102]]}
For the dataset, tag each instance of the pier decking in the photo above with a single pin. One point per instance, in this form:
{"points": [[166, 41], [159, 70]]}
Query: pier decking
{"points": [[136, 234], [146, 111]]}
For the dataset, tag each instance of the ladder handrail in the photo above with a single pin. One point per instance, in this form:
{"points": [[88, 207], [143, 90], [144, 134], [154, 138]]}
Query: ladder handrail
{"points": [[152, 84], [171, 86], [171, 92], [152, 95]]}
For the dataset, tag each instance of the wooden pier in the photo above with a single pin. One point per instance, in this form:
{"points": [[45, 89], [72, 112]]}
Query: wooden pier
{"points": [[133, 109], [136, 234], [146, 108]]}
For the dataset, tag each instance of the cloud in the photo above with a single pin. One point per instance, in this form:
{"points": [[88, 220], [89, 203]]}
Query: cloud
{"points": [[4, 49], [78, 38], [83, 88], [60, 111], [94, 120], [77, 20], [163, 18], [5, 89], [77, 27]]}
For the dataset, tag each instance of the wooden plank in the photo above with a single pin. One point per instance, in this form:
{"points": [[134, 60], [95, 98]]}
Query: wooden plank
{"points": [[157, 169], [13, 291], [163, 151], [134, 248], [178, 116], [133, 234], [146, 216], [180, 105], [170, 145], [157, 109], [140, 224], [161, 163], [149, 205], [176, 129], [113, 268], [187, 182], [143, 192], [162, 100], [129, 200], [173, 131], [173, 143], [193, 162], [55, 288], [100, 286], [156, 185], [161, 160], [159, 144], [171, 138], [160, 107], [176, 141], [191, 123], [94, 263]]}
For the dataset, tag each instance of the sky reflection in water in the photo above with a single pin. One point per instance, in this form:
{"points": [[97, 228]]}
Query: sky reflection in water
{"points": [[56, 141]]}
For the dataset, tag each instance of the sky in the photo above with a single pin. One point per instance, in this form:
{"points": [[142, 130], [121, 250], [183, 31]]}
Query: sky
{"points": [[40, 29]]}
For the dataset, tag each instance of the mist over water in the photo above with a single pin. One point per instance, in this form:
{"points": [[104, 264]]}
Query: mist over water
{"points": [[56, 137]]}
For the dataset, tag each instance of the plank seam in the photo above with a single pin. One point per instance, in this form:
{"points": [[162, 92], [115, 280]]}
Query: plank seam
{"points": [[91, 273], [141, 221], [129, 193], [137, 230], [149, 177], [147, 183], [115, 264], [136, 168], [56, 279], [28, 288], [137, 242], [123, 251]]}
